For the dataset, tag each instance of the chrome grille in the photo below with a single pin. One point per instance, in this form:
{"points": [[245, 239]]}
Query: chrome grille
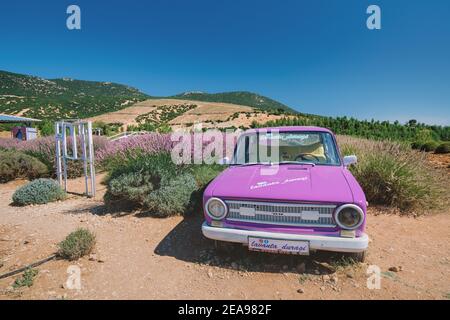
{"points": [[303, 215]]}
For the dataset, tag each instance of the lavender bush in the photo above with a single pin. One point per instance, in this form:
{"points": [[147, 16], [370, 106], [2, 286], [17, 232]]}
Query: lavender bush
{"points": [[116, 152], [8, 143], [44, 149], [108, 154]]}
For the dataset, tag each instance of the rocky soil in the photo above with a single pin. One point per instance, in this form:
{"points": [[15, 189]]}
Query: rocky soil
{"points": [[140, 257]]}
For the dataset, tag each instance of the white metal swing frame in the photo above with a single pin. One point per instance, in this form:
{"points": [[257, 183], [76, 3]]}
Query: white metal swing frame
{"points": [[78, 131]]}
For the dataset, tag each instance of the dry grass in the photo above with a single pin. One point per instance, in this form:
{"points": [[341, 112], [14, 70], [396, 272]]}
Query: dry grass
{"points": [[392, 174]]}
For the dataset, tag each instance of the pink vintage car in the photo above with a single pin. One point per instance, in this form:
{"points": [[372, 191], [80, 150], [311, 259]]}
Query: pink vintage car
{"points": [[288, 190]]}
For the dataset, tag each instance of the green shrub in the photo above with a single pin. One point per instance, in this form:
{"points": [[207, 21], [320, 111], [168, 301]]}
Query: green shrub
{"points": [[429, 146], [133, 186], [27, 279], [203, 174], [394, 175], [155, 184], [38, 192], [18, 165], [77, 244], [416, 145], [443, 148], [131, 183], [138, 176], [173, 196]]}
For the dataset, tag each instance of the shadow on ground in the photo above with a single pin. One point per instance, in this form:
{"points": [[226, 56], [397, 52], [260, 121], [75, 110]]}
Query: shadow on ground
{"points": [[102, 209], [186, 242]]}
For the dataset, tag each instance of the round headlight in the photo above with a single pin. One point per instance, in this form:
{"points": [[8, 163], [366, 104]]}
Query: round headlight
{"points": [[216, 208], [349, 217]]}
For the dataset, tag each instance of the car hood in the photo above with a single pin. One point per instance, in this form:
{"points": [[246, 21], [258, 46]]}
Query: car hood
{"points": [[285, 182]]}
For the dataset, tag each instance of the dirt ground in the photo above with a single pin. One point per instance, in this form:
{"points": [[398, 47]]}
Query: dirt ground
{"points": [[440, 160], [140, 257]]}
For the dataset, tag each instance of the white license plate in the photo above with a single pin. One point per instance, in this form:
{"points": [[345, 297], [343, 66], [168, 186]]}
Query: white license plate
{"points": [[278, 245]]}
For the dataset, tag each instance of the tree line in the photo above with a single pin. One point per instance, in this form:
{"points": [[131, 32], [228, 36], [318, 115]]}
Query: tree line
{"points": [[373, 129]]}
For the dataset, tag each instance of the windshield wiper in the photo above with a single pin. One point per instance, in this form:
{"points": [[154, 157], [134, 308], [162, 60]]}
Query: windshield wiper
{"points": [[250, 164], [274, 163], [298, 162]]}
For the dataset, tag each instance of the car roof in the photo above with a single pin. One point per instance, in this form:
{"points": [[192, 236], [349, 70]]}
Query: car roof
{"points": [[291, 129]]}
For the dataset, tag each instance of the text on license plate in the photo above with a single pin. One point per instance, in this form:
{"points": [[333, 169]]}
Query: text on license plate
{"points": [[278, 245]]}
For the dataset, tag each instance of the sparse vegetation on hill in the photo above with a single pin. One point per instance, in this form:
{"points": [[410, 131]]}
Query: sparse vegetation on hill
{"points": [[62, 98], [239, 97], [163, 114], [158, 119]]}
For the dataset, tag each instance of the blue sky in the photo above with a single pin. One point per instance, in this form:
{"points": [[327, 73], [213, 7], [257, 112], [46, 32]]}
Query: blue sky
{"points": [[315, 56]]}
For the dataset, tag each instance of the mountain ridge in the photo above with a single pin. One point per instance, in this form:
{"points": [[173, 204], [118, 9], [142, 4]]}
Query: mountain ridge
{"points": [[244, 98], [60, 98], [53, 99]]}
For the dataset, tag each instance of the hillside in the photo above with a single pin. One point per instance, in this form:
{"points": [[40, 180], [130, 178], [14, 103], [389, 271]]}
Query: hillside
{"points": [[68, 98], [128, 108], [177, 113], [62, 98], [238, 97]]}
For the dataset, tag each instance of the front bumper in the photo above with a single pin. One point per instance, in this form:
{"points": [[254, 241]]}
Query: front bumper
{"points": [[316, 242]]}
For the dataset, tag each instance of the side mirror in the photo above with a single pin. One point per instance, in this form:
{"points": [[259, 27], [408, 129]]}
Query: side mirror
{"points": [[225, 161], [349, 160]]}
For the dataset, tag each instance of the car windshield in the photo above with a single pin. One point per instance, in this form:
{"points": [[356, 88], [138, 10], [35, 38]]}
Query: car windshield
{"points": [[316, 148]]}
